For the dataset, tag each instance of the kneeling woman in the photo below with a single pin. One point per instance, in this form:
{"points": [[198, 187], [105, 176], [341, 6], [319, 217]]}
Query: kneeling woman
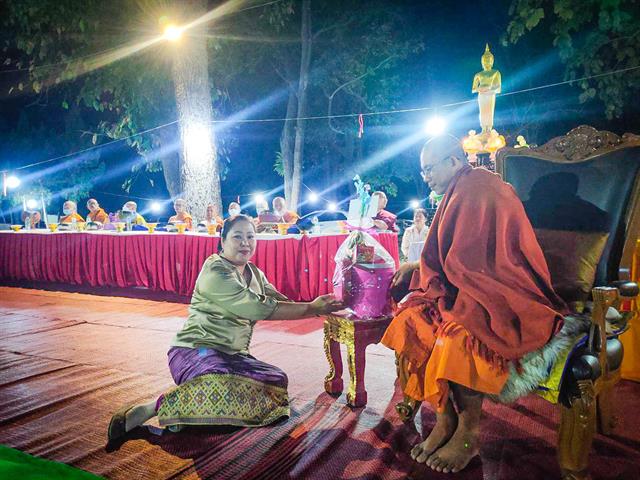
{"points": [[219, 382]]}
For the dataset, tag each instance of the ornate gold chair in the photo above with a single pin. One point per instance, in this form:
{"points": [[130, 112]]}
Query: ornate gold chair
{"points": [[581, 192]]}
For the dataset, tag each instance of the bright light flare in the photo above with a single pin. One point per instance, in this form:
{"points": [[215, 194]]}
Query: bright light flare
{"points": [[32, 204], [172, 33], [197, 138], [435, 126], [332, 207], [13, 182], [259, 198], [156, 207], [415, 204], [313, 197]]}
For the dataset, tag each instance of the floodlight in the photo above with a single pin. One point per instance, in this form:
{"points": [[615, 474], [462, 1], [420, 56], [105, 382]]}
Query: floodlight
{"points": [[156, 207], [172, 33], [13, 182], [435, 126]]}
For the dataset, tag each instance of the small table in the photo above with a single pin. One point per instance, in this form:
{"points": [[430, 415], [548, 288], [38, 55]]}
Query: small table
{"points": [[356, 334]]}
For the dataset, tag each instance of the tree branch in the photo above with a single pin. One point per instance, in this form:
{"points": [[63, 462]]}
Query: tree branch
{"points": [[344, 85]]}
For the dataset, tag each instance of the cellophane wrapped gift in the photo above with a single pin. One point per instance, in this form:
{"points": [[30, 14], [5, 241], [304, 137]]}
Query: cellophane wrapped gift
{"points": [[363, 274]]}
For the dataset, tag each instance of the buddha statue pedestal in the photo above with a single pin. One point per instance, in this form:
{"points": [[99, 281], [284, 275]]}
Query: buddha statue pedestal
{"points": [[356, 334]]}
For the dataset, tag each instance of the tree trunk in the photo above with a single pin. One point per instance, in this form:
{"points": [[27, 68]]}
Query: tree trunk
{"points": [[286, 147], [170, 161], [305, 60], [199, 172]]}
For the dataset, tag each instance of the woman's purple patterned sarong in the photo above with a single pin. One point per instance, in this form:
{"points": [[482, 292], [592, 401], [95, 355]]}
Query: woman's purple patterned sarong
{"points": [[216, 388], [188, 363]]}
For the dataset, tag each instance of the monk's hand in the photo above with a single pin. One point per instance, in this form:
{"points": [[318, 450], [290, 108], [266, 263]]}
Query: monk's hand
{"points": [[380, 225], [404, 273], [326, 304]]}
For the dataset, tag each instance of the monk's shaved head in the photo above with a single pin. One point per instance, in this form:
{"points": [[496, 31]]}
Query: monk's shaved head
{"points": [[442, 147], [441, 158]]}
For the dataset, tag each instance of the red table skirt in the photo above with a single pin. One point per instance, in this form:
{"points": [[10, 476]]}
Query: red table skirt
{"points": [[301, 268]]}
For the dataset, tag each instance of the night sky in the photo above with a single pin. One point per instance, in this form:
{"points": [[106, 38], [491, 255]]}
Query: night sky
{"points": [[454, 34]]}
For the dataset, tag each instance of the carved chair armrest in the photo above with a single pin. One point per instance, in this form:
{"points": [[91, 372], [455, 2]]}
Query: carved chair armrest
{"points": [[627, 289], [603, 299]]}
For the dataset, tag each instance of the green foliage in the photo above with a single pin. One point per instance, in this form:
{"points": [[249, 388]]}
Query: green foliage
{"points": [[278, 165], [73, 180], [592, 37], [356, 57], [71, 55]]}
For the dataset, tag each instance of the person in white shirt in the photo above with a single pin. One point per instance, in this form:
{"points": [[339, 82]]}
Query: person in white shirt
{"points": [[415, 235]]}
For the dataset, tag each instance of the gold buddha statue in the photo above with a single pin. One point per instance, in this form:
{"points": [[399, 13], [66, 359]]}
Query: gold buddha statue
{"points": [[486, 84]]}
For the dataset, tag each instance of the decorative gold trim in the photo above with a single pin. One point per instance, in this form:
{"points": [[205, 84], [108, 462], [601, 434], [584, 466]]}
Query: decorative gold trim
{"points": [[582, 144]]}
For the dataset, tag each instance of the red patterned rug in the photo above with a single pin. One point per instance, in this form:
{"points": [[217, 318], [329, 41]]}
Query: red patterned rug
{"points": [[67, 361]]}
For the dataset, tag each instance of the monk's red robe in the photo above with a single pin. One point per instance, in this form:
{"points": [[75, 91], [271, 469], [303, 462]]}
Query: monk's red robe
{"points": [[482, 297], [388, 218]]}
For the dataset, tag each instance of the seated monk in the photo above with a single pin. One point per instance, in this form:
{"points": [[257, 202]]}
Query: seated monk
{"points": [[383, 220], [280, 209], [481, 299], [211, 217], [180, 206], [70, 210], [96, 213], [234, 209], [131, 207], [33, 216]]}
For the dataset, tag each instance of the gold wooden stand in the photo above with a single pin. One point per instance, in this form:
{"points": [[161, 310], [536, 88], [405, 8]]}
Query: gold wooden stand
{"points": [[356, 334]]}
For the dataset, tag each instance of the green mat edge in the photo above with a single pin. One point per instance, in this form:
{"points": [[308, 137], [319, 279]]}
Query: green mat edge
{"points": [[15, 464]]}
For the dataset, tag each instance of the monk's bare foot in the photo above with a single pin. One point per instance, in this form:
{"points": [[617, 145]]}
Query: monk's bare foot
{"points": [[139, 414], [456, 453], [445, 427]]}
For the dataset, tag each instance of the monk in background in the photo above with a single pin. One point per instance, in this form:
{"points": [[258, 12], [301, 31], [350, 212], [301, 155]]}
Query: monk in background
{"points": [[70, 211], [383, 220], [180, 206], [280, 209], [481, 299], [132, 207], [234, 209], [96, 213], [211, 217], [33, 216]]}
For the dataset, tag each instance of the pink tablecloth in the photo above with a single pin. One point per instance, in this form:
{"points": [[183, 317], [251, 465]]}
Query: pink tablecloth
{"points": [[300, 267]]}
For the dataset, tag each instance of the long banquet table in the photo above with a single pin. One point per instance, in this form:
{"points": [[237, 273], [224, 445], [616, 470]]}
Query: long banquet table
{"points": [[300, 266]]}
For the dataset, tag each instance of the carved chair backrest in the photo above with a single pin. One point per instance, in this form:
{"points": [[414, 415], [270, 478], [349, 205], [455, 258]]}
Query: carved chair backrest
{"points": [[584, 181]]}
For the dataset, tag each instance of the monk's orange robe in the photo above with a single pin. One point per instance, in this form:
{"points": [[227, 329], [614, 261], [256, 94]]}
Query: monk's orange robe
{"points": [[69, 218], [217, 220], [482, 297], [290, 217], [98, 216], [184, 218]]}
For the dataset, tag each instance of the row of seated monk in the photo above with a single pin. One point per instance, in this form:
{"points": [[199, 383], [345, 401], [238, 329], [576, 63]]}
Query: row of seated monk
{"points": [[384, 220]]}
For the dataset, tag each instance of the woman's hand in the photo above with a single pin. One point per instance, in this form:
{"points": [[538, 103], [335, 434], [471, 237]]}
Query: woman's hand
{"points": [[380, 225], [325, 304], [404, 273]]}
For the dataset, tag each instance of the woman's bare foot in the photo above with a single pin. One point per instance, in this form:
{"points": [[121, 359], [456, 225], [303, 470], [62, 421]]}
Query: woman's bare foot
{"points": [[139, 414], [445, 427], [456, 453]]}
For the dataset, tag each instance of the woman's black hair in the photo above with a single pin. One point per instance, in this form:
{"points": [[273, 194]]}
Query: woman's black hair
{"points": [[228, 225], [422, 211]]}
